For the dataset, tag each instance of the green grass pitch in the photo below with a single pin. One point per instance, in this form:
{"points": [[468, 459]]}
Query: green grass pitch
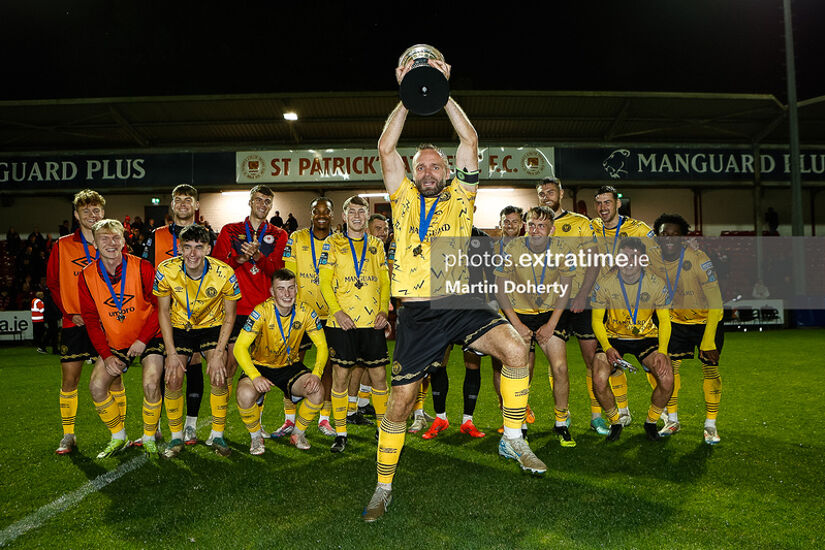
{"points": [[762, 487]]}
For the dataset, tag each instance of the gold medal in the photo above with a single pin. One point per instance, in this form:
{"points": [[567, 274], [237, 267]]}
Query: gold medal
{"points": [[254, 269], [417, 251], [120, 316], [635, 331], [188, 326], [359, 284]]}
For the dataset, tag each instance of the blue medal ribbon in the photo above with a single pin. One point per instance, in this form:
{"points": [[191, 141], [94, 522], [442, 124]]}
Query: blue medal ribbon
{"points": [[280, 326], [633, 314], [615, 237], [358, 265], [186, 286], [86, 249], [425, 220], [312, 247], [262, 229], [118, 301], [533, 267], [672, 291]]}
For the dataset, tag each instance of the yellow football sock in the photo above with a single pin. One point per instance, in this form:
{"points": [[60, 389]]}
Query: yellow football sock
{"points": [[173, 400], [219, 401], [306, 414], [595, 407], [326, 409], [251, 418], [110, 414], [561, 414], [612, 415], [673, 402], [379, 402], [289, 409], [229, 385], [68, 410], [653, 413], [390, 442], [363, 394], [120, 399], [339, 411], [618, 382], [712, 387], [352, 405], [151, 417], [515, 389]]}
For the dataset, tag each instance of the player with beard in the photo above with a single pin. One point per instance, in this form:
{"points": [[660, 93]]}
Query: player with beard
{"points": [[428, 321], [68, 257], [160, 246], [695, 318], [302, 256], [577, 232], [254, 249], [609, 229], [627, 297]]}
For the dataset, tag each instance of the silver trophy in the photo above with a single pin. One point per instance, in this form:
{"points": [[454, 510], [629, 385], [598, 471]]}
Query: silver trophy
{"points": [[424, 89]]}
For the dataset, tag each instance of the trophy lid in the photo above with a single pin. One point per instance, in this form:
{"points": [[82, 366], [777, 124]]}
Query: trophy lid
{"points": [[420, 51]]}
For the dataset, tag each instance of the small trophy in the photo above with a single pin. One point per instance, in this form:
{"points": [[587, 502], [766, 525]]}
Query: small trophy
{"points": [[424, 89]]}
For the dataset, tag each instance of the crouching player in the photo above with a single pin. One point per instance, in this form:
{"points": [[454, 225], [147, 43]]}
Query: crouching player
{"points": [[120, 314], [197, 300], [630, 295], [273, 332]]}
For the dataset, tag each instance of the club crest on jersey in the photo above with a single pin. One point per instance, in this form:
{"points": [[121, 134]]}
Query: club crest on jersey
{"points": [[645, 296], [297, 325], [211, 292], [565, 227], [396, 368], [269, 239], [686, 265], [373, 250]]}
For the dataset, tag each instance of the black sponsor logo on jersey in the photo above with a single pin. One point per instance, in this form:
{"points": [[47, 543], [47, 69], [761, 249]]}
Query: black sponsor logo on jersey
{"points": [[565, 227], [211, 291], [80, 262], [686, 265], [110, 302], [645, 296]]}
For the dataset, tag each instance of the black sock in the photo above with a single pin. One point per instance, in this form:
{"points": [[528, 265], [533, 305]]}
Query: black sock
{"points": [[472, 385], [439, 386], [194, 388]]}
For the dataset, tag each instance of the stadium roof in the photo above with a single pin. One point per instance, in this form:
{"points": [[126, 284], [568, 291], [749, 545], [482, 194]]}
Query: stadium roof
{"points": [[235, 122]]}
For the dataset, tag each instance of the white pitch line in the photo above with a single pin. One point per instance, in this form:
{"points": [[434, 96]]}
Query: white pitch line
{"points": [[48, 511], [45, 513]]}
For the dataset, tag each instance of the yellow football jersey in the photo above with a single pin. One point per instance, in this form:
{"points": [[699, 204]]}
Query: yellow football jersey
{"points": [[362, 302], [301, 256], [416, 273], [270, 347], [204, 295], [607, 294], [627, 227], [576, 233], [696, 283], [521, 270]]}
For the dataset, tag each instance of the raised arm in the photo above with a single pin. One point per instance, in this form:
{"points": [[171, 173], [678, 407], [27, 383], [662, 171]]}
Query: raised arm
{"points": [[466, 156], [392, 165]]}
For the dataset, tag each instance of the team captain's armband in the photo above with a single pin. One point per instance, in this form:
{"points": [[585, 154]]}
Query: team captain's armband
{"points": [[470, 178]]}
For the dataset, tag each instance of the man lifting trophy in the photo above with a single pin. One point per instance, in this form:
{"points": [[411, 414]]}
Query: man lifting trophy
{"points": [[422, 75]]}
